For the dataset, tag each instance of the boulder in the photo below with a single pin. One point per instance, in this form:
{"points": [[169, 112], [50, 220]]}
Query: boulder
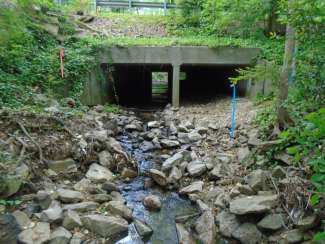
{"points": [[69, 196], [11, 182], [221, 170], [118, 208], [109, 187], [175, 175], [278, 172], [22, 219], [106, 159], [129, 173], [98, 173], [40, 234], [271, 222], [9, 229], [196, 186], [71, 220], [196, 168], [194, 136], [152, 202], [84, 185], [153, 124], [292, 236], [248, 233], [257, 180], [63, 166], [228, 223], [206, 228], [253, 204], [105, 226], [142, 228], [101, 198], [99, 135], [308, 222], [166, 143], [184, 237], [60, 236], [81, 207], [158, 176], [175, 160], [54, 214], [242, 154], [44, 199]]}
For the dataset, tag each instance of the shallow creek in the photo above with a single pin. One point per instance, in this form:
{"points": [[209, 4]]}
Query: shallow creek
{"points": [[162, 222]]}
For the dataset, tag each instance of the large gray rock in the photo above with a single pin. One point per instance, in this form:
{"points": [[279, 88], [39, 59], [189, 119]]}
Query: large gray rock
{"points": [[221, 170], [105, 226], [118, 208], [54, 214], [63, 166], [184, 237], [175, 175], [143, 229], [196, 168], [81, 207], [196, 186], [84, 185], [9, 229], [44, 199], [22, 219], [175, 160], [228, 223], [206, 228], [292, 236], [242, 154], [194, 136], [38, 235], [97, 135], [278, 172], [152, 202], [11, 182], [98, 173], [247, 233], [60, 236], [257, 180], [253, 204], [106, 159], [166, 143], [153, 124], [69, 196], [158, 176], [110, 186], [271, 222], [71, 220], [308, 222]]}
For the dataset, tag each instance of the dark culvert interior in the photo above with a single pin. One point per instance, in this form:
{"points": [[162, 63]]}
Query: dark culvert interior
{"points": [[142, 85]]}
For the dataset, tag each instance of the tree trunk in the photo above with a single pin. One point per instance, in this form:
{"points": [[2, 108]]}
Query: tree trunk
{"points": [[283, 117]]}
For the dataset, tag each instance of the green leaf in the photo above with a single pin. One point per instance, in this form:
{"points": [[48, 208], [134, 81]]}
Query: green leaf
{"points": [[319, 237], [314, 200]]}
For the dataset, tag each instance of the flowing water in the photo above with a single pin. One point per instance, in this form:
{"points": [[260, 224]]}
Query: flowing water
{"points": [[162, 222]]}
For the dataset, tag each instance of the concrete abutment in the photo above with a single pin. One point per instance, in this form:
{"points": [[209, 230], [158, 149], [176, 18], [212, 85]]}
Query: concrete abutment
{"points": [[206, 69]]}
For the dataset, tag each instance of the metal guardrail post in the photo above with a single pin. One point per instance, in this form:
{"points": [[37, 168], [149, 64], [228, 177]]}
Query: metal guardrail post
{"points": [[165, 7], [95, 5]]}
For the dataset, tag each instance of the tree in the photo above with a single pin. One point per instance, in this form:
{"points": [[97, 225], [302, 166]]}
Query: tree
{"points": [[283, 118]]}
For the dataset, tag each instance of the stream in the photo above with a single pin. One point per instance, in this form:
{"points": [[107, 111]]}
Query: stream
{"points": [[162, 222]]}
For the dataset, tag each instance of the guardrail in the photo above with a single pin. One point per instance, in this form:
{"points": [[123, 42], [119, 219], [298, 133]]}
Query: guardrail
{"points": [[133, 4]]}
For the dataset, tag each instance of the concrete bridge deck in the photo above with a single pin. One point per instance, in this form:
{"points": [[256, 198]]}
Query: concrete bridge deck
{"points": [[174, 57]]}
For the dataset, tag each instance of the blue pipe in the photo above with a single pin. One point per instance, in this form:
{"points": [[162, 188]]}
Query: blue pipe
{"points": [[232, 132]]}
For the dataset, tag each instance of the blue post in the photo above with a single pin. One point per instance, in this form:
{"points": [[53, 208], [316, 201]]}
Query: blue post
{"points": [[232, 132]]}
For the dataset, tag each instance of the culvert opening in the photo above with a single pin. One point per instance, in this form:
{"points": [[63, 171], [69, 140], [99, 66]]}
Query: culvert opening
{"points": [[143, 84], [151, 85], [203, 83]]}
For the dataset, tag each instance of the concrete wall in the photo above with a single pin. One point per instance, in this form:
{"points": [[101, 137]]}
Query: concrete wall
{"points": [[97, 92]]}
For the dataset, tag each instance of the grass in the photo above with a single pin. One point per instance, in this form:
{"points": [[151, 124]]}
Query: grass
{"points": [[208, 41]]}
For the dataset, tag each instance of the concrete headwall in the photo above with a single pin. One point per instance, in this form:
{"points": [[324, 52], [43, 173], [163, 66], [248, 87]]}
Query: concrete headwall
{"points": [[97, 91]]}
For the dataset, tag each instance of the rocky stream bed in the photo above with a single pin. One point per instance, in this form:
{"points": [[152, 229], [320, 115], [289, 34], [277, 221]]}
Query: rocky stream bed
{"points": [[170, 176]]}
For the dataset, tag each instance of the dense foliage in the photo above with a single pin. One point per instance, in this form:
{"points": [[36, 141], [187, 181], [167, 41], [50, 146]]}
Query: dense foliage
{"points": [[29, 56]]}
